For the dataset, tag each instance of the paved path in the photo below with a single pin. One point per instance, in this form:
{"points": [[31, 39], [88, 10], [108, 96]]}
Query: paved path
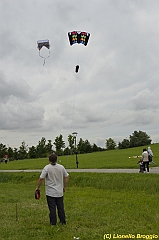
{"points": [[152, 170]]}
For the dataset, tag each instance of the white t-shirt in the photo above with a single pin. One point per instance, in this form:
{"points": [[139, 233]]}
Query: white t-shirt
{"points": [[54, 177], [145, 156]]}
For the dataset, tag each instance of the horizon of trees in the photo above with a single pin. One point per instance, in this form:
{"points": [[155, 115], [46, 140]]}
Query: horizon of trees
{"points": [[44, 148], [137, 139]]}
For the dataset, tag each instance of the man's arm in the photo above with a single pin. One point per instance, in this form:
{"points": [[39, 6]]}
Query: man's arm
{"points": [[66, 179], [39, 183]]}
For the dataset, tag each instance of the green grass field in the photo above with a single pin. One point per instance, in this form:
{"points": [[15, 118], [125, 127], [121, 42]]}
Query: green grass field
{"points": [[107, 159], [95, 204], [98, 205]]}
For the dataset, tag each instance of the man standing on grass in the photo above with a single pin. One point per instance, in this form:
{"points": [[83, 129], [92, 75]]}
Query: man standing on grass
{"points": [[56, 179]]}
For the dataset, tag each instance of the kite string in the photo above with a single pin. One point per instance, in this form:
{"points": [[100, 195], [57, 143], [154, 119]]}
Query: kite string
{"points": [[74, 98], [78, 56], [74, 101], [44, 57]]}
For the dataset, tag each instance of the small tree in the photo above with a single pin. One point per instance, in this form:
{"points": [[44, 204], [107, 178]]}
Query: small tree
{"points": [[59, 144], [49, 146], [88, 146], [67, 151], [41, 148], [81, 146], [16, 154], [3, 150], [10, 153], [22, 153], [71, 142], [95, 148], [32, 152], [110, 144], [124, 144]]}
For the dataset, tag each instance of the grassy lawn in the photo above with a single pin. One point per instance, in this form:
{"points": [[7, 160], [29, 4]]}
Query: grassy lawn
{"points": [[107, 159], [98, 205], [95, 204]]}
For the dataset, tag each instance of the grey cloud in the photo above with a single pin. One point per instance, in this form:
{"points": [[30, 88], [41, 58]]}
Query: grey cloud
{"points": [[12, 86], [145, 100], [17, 114], [116, 89]]}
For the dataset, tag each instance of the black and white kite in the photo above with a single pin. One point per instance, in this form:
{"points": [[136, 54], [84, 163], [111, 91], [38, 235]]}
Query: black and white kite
{"points": [[41, 44]]}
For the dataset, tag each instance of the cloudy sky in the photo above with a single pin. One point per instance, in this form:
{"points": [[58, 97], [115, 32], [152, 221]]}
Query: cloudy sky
{"points": [[116, 90]]}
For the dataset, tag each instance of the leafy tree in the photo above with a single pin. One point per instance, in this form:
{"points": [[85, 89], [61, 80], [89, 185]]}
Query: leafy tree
{"points": [[95, 148], [49, 147], [81, 146], [16, 154], [59, 144], [22, 153], [84, 146], [88, 146], [32, 152], [10, 153], [71, 140], [124, 144], [139, 139], [67, 151], [101, 149], [3, 150], [110, 144], [41, 148]]}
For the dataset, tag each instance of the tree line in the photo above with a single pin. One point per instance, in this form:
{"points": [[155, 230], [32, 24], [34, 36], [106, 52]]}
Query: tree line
{"points": [[137, 139], [44, 147]]}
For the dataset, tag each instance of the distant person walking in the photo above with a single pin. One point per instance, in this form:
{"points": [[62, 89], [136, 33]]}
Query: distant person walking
{"points": [[145, 160], [56, 179], [150, 155]]}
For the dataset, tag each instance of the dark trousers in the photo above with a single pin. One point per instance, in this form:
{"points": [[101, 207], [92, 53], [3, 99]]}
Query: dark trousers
{"points": [[54, 202], [146, 165]]}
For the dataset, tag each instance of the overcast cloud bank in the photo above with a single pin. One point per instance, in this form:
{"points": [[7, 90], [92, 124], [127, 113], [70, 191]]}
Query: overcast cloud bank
{"points": [[116, 89]]}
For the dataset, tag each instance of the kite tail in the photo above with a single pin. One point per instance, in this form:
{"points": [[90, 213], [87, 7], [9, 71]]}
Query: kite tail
{"points": [[44, 57]]}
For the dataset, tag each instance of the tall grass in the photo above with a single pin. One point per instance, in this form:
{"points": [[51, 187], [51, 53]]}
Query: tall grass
{"points": [[109, 181], [95, 204]]}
